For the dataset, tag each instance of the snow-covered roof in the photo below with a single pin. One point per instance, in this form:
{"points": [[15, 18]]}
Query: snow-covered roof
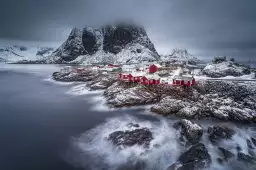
{"points": [[153, 76], [158, 65], [138, 74]]}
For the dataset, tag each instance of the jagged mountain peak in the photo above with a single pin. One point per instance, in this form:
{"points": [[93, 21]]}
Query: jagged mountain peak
{"points": [[126, 39], [180, 56]]}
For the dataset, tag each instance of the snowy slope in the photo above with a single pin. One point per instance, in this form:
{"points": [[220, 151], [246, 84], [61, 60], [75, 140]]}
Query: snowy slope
{"points": [[226, 68], [15, 51], [181, 56]]}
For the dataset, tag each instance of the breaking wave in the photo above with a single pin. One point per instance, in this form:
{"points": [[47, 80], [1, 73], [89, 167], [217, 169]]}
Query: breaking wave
{"points": [[91, 150]]}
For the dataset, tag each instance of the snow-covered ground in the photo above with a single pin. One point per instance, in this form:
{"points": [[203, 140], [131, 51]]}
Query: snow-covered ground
{"points": [[243, 77]]}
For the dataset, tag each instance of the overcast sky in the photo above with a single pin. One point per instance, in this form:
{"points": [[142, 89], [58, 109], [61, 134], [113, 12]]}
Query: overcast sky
{"points": [[207, 28]]}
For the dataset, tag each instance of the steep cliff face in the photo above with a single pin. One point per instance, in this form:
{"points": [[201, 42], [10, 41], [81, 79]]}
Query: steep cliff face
{"points": [[117, 38], [118, 44], [71, 48]]}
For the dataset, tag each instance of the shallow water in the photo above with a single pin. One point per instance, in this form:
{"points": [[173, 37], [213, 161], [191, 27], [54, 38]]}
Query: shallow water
{"points": [[50, 125]]}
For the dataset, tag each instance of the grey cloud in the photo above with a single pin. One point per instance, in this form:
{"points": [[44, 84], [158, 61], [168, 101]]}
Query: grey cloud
{"points": [[205, 27]]}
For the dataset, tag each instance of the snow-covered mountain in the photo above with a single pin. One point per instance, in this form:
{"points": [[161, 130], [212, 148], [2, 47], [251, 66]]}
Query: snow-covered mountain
{"points": [[181, 56], [11, 51], [122, 43]]}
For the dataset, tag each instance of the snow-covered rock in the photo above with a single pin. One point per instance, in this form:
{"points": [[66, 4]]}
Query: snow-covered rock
{"points": [[192, 131], [226, 68], [123, 43], [118, 96], [140, 136], [181, 56], [224, 100]]}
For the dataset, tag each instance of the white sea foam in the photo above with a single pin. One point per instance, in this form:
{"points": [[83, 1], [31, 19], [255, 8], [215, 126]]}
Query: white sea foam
{"points": [[93, 151], [93, 146]]}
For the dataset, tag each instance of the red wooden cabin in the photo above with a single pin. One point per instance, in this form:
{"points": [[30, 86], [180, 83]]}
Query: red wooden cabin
{"points": [[150, 80], [154, 68]]}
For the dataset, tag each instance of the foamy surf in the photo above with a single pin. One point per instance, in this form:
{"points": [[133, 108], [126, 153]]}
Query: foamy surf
{"points": [[95, 151], [91, 150]]}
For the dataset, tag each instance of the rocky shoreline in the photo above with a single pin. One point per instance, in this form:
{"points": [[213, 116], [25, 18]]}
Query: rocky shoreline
{"points": [[222, 100], [196, 155], [227, 101]]}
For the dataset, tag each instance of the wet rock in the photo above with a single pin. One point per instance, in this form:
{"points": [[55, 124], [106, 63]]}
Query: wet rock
{"points": [[129, 138], [195, 158], [133, 125], [192, 131], [227, 154], [246, 158], [253, 141], [217, 133], [238, 148], [72, 76], [249, 144], [174, 166], [220, 161]]}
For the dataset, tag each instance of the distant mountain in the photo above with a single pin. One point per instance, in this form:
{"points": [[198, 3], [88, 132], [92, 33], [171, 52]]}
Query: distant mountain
{"points": [[16, 53], [181, 56], [122, 43]]}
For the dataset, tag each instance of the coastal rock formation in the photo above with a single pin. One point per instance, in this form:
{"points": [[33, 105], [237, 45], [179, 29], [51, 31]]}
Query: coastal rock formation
{"points": [[192, 131], [197, 157], [73, 76], [235, 101], [119, 95], [217, 133], [141, 136], [225, 68]]}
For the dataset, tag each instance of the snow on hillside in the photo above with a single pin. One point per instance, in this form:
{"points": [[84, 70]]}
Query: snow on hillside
{"points": [[180, 56], [128, 55], [224, 69], [14, 51]]}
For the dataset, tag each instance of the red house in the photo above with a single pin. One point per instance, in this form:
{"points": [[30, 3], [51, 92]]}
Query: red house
{"points": [[126, 77], [150, 79], [154, 68]]}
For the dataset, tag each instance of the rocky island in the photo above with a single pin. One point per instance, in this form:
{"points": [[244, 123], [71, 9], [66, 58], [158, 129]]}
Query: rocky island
{"points": [[212, 99]]}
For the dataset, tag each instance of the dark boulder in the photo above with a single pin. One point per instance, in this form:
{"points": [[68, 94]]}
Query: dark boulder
{"points": [[253, 141], [246, 158], [249, 144], [217, 133], [129, 138], [226, 154], [192, 131], [197, 157]]}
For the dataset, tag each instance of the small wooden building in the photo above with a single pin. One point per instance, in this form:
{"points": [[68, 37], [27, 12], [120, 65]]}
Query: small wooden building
{"points": [[183, 80], [150, 79], [136, 76], [154, 68]]}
